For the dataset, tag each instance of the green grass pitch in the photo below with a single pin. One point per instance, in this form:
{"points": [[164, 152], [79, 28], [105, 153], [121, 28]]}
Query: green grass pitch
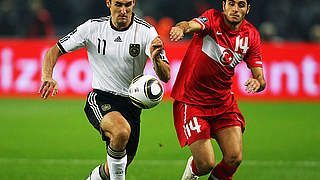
{"points": [[53, 140]]}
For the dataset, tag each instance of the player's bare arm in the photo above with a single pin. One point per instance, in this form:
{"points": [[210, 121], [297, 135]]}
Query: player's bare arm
{"points": [[185, 27], [161, 68], [257, 83], [48, 84]]}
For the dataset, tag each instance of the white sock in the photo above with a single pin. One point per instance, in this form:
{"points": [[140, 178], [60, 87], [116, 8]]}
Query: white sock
{"points": [[98, 174], [117, 168], [117, 162], [95, 174]]}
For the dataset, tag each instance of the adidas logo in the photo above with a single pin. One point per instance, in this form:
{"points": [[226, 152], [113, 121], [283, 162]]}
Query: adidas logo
{"points": [[118, 39]]}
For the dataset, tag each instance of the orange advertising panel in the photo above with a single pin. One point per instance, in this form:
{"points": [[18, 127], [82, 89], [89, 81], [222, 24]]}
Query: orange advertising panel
{"points": [[292, 70]]}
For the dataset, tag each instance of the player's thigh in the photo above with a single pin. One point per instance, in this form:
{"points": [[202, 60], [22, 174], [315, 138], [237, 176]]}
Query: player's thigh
{"points": [[100, 103], [189, 124], [113, 123], [230, 142], [202, 152]]}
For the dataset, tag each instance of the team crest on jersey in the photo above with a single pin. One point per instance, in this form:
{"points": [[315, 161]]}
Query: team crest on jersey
{"points": [[134, 50], [106, 107], [226, 57], [203, 19]]}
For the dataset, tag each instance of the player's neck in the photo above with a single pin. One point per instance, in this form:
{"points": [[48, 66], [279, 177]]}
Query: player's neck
{"points": [[121, 27], [230, 25]]}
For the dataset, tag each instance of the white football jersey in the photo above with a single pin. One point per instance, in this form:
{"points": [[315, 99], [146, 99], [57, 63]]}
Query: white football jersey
{"points": [[115, 56]]}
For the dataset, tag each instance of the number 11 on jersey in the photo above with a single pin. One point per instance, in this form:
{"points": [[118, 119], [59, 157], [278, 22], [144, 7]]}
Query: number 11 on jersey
{"points": [[103, 48]]}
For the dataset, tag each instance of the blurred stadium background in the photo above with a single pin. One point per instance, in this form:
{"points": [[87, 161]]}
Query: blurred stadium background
{"points": [[53, 140]]}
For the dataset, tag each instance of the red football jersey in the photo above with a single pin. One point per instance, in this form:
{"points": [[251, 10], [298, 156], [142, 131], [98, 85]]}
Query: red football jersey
{"points": [[205, 74]]}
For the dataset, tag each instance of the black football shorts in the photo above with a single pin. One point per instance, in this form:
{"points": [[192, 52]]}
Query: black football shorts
{"points": [[99, 103]]}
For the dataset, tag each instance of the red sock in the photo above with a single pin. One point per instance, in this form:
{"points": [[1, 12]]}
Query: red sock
{"points": [[223, 171], [194, 168]]}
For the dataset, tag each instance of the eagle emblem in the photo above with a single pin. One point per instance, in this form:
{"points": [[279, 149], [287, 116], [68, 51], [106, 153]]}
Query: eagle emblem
{"points": [[134, 50], [106, 107]]}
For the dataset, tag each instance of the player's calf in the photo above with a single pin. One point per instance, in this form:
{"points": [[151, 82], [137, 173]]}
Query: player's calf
{"points": [[224, 170]]}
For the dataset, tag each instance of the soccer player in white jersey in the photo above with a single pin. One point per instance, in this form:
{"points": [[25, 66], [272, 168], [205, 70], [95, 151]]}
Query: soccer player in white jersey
{"points": [[118, 47]]}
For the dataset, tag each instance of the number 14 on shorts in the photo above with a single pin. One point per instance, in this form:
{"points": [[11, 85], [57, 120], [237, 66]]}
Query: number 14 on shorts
{"points": [[191, 126]]}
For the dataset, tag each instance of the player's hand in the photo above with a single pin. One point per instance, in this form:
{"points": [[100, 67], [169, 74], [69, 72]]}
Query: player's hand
{"points": [[48, 85], [252, 85], [156, 47], [176, 34]]}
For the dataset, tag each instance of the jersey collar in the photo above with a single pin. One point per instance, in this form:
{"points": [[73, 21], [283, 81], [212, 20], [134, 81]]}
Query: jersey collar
{"points": [[116, 29]]}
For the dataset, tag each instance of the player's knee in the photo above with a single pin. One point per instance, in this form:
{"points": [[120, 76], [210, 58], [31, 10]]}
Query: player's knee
{"points": [[121, 136], [205, 166], [233, 159]]}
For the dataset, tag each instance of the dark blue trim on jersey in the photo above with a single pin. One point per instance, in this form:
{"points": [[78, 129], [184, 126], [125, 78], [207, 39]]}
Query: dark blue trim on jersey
{"points": [[116, 29], [61, 48]]}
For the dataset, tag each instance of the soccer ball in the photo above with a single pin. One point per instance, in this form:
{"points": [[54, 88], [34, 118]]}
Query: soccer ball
{"points": [[145, 91]]}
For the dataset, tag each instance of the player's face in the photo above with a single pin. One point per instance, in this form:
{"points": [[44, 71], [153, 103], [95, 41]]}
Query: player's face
{"points": [[235, 10], [121, 12]]}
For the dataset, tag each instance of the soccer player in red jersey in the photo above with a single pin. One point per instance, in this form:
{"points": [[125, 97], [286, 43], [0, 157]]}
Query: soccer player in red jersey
{"points": [[204, 106]]}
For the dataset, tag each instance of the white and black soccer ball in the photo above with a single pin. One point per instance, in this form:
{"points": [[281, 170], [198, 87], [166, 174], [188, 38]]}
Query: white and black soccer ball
{"points": [[145, 91]]}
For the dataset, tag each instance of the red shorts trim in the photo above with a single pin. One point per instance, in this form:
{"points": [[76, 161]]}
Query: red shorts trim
{"points": [[194, 122]]}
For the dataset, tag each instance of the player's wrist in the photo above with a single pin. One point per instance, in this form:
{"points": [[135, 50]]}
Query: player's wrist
{"points": [[261, 88], [261, 85], [183, 26], [46, 75], [156, 59]]}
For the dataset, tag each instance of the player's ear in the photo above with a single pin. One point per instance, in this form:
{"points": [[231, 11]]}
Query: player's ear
{"points": [[108, 2], [248, 10], [223, 4]]}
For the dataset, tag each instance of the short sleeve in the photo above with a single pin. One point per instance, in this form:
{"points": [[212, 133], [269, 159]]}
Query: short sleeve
{"points": [[152, 33], [206, 19], [75, 39], [151, 36], [254, 56]]}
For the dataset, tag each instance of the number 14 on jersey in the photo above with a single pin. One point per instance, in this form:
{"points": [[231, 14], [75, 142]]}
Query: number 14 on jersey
{"points": [[191, 126], [239, 43]]}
